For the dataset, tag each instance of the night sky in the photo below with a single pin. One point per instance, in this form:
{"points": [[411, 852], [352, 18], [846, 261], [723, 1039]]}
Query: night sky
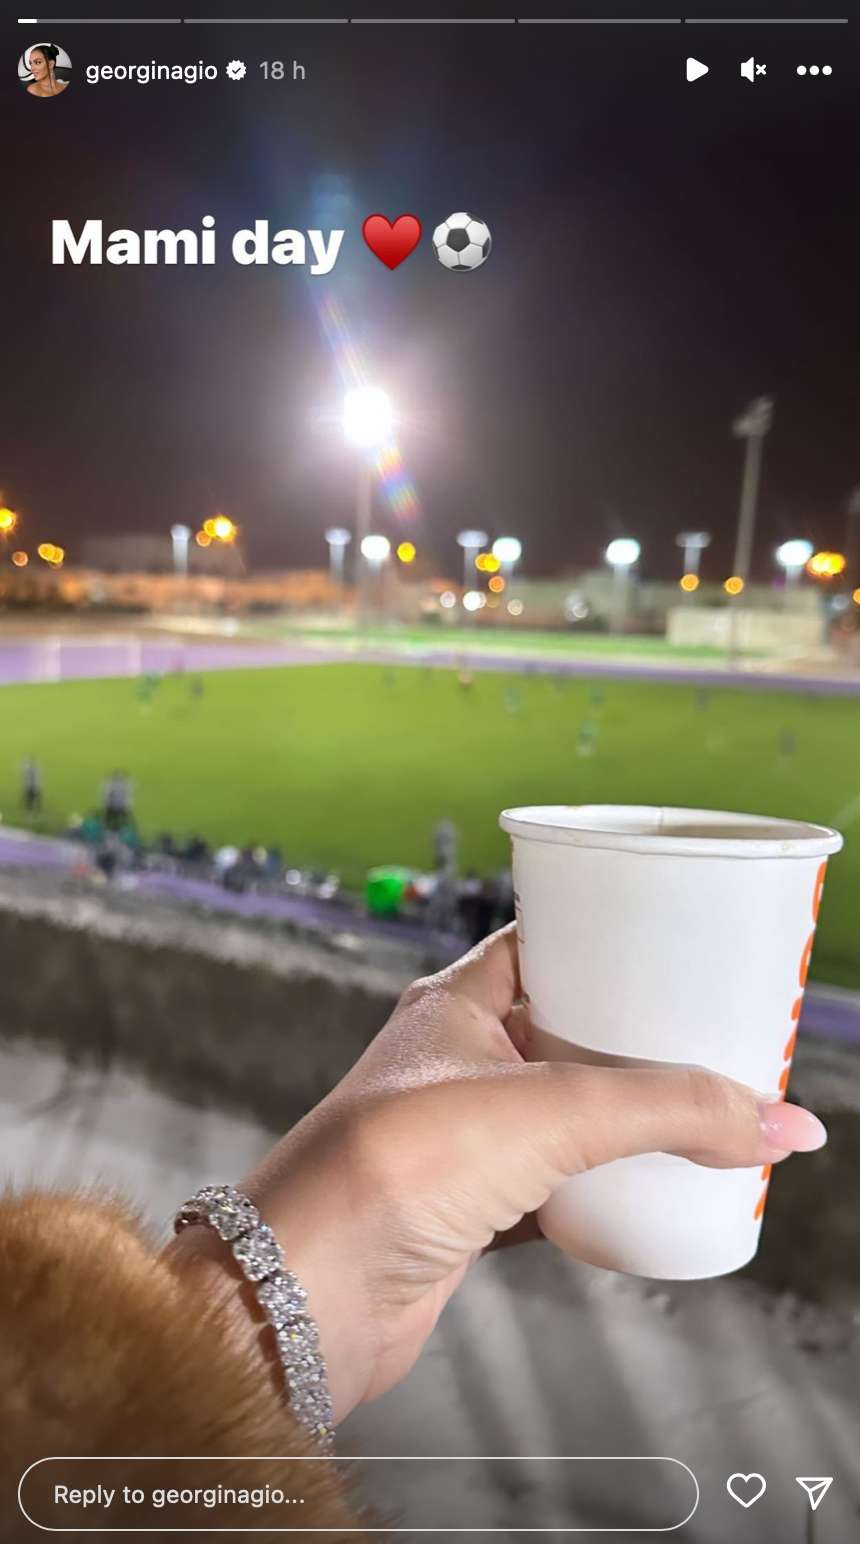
{"points": [[662, 253]]}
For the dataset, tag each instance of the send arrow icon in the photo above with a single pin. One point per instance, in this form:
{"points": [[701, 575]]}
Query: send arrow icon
{"points": [[816, 1487], [695, 69]]}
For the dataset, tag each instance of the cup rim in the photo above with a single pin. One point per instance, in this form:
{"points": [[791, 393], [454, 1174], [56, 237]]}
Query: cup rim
{"points": [[647, 829]]}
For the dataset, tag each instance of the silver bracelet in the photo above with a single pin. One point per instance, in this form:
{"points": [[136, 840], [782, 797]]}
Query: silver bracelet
{"points": [[281, 1297]]}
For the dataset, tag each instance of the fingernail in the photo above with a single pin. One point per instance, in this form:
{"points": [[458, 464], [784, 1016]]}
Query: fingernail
{"points": [[788, 1128]]}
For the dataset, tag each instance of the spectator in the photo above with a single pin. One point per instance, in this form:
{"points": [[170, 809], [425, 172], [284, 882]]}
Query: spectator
{"points": [[117, 801], [31, 786]]}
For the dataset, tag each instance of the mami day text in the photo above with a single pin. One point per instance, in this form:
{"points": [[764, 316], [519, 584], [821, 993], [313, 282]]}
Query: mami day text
{"points": [[253, 244]]}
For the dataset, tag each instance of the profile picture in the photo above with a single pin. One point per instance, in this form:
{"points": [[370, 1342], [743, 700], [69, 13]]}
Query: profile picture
{"points": [[44, 69]]}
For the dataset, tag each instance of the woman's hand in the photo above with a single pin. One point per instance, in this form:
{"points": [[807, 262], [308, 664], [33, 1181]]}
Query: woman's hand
{"points": [[441, 1138]]}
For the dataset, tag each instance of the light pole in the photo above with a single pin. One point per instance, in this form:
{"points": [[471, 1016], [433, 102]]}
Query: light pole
{"points": [[693, 544], [752, 426], [338, 540], [375, 551], [180, 535], [471, 542], [793, 557], [508, 550], [852, 535], [368, 421], [622, 555]]}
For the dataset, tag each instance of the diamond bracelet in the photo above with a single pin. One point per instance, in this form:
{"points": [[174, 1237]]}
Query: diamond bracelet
{"points": [[281, 1297]]}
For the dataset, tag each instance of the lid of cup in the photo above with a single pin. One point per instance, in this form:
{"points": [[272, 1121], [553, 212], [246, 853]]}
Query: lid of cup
{"points": [[648, 828]]}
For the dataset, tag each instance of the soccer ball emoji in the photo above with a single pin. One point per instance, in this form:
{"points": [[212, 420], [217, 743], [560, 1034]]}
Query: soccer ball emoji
{"points": [[462, 243]]}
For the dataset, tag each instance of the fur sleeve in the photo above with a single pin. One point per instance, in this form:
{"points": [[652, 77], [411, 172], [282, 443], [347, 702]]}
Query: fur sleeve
{"points": [[103, 1350]]}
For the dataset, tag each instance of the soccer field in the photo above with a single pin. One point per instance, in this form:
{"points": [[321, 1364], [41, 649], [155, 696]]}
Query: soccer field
{"points": [[345, 766]]}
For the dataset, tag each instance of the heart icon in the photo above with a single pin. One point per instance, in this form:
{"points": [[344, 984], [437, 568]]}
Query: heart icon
{"points": [[746, 1489], [392, 242]]}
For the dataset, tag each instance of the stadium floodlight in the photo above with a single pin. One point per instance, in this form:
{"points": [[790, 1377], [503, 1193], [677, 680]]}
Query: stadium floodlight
{"points": [[693, 544], [180, 536], [471, 543], [793, 556], [508, 550], [338, 540], [368, 418], [622, 555], [623, 552], [375, 549]]}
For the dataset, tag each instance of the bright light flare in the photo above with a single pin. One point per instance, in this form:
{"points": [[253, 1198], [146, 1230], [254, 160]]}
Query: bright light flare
{"points": [[368, 418], [223, 529], [203, 539], [51, 554], [496, 584], [623, 552], [338, 536], [507, 549], [8, 520], [487, 563], [689, 583], [826, 565], [733, 585], [794, 554], [406, 552], [375, 548], [20, 559], [473, 600]]}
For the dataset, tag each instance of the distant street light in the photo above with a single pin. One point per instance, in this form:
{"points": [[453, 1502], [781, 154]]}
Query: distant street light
{"points": [[474, 600], [368, 423], [622, 555], [793, 556], [407, 552], [508, 550], [693, 544], [375, 549], [826, 565], [8, 521], [471, 543], [180, 535], [20, 559], [752, 426], [338, 540]]}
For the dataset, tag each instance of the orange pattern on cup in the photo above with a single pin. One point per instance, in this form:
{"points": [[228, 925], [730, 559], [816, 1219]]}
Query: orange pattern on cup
{"points": [[805, 959], [819, 886], [791, 1042]]}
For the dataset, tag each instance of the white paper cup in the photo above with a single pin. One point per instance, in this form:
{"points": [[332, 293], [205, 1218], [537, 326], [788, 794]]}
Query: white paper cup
{"points": [[668, 935]]}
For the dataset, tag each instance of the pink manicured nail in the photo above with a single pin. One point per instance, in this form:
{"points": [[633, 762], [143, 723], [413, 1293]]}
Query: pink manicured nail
{"points": [[788, 1128]]}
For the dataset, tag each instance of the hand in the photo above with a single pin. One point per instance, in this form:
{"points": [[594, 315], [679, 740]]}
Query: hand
{"points": [[440, 1139]]}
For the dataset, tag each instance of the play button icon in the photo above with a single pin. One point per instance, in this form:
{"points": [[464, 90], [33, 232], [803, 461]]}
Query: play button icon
{"points": [[696, 69]]}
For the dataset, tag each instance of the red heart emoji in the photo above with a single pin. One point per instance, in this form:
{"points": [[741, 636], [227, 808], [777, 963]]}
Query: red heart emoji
{"points": [[391, 243]]}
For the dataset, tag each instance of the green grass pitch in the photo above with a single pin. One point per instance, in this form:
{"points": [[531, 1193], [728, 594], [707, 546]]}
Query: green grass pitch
{"points": [[346, 766]]}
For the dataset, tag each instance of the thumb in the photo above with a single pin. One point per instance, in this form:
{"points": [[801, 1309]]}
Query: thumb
{"points": [[584, 1115], [519, 1131]]}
